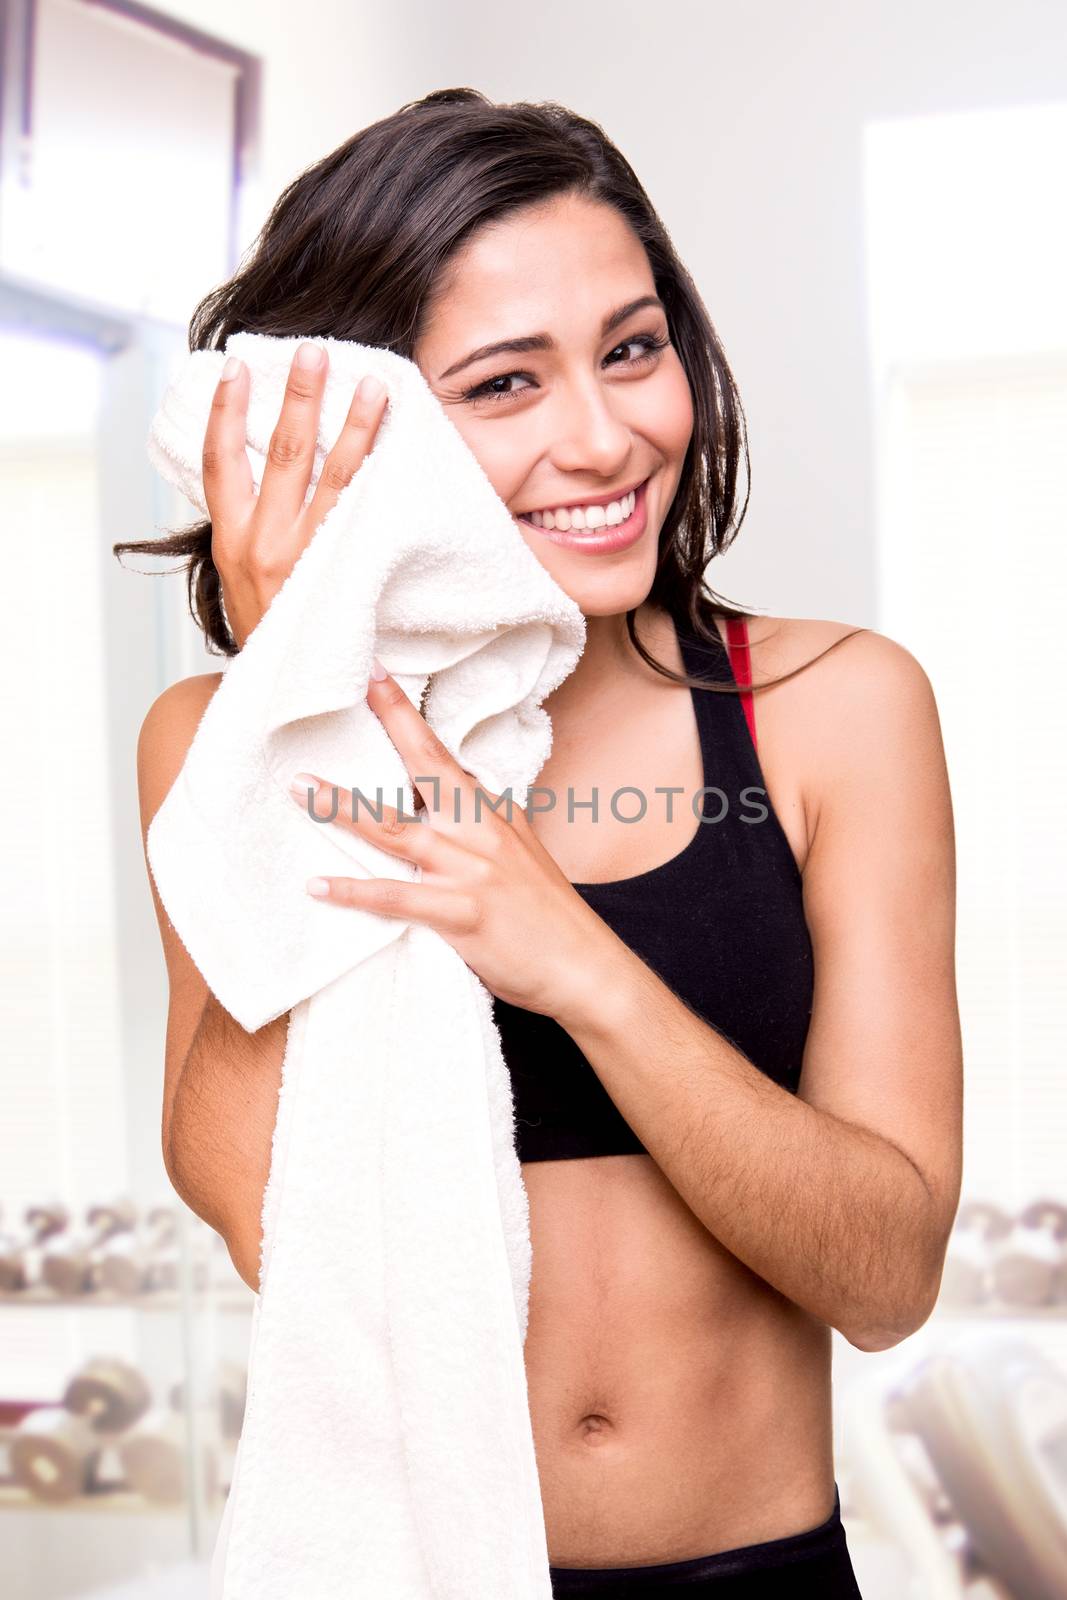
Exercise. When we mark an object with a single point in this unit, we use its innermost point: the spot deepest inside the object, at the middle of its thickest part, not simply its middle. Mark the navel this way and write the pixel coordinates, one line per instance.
(594, 1427)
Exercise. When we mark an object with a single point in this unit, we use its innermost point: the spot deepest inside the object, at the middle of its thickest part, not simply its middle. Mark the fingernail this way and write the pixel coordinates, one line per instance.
(318, 886)
(369, 388)
(231, 369)
(308, 355)
(377, 671)
(301, 782)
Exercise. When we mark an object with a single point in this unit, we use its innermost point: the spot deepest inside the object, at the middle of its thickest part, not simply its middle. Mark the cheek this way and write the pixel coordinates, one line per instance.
(672, 427)
(497, 450)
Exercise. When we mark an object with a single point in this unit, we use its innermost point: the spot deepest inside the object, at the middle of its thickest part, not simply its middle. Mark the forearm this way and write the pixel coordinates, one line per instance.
(832, 1215)
(222, 1122)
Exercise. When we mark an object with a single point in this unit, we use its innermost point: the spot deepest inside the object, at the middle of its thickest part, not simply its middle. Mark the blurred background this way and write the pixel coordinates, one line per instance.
(871, 199)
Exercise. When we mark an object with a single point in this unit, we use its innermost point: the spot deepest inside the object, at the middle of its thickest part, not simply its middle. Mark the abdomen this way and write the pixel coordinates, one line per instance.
(680, 1405)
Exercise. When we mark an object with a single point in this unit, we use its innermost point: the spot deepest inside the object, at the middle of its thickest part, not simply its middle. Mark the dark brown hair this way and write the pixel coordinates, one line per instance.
(355, 247)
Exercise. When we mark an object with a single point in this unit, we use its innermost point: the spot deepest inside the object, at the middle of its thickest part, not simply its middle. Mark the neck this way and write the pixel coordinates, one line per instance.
(609, 664)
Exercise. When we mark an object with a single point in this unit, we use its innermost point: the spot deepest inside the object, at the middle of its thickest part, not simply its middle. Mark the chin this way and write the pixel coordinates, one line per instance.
(604, 591)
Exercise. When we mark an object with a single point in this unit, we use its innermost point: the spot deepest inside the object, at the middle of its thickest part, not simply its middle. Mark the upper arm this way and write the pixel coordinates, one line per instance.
(165, 737)
(884, 1047)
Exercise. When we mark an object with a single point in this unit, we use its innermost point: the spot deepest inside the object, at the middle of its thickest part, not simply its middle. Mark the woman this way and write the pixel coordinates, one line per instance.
(735, 1048)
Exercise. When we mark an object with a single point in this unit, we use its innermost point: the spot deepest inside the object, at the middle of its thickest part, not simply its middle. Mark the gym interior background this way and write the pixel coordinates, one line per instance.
(867, 198)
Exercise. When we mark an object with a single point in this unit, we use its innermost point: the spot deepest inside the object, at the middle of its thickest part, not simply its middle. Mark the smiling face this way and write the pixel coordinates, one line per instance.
(582, 430)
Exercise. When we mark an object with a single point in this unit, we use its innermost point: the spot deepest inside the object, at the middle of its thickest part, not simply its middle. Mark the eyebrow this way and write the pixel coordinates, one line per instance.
(544, 341)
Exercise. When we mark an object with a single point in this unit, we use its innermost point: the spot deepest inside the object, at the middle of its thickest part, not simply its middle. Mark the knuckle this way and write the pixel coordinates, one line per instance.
(265, 562)
(299, 388)
(268, 572)
(388, 893)
(360, 417)
(392, 694)
(485, 871)
(222, 560)
(222, 396)
(285, 448)
(490, 842)
(337, 475)
(469, 913)
(393, 825)
(430, 748)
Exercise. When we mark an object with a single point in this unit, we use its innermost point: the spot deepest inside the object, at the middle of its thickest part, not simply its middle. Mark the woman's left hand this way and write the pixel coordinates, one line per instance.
(488, 886)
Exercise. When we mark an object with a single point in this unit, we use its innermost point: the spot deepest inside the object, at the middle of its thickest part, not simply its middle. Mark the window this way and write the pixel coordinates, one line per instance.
(967, 258)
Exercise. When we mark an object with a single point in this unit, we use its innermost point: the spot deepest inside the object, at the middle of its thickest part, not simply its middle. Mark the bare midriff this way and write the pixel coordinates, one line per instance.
(680, 1405)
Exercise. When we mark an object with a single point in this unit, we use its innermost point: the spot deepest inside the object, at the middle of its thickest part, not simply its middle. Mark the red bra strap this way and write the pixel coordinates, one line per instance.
(737, 645)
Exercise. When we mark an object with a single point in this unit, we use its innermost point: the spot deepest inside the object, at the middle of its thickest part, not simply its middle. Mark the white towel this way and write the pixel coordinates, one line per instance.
(387, 1450)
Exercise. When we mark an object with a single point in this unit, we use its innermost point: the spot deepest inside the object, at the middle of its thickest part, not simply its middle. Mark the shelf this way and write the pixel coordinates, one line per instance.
(164, 1300)
(120, 1502)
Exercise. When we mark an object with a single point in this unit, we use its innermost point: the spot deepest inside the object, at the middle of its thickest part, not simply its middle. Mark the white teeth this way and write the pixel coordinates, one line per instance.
(565, 518)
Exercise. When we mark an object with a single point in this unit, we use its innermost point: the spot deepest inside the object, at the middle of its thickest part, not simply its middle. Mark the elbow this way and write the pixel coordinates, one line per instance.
(890, 1326)
(876, 1339)
(915, 1277)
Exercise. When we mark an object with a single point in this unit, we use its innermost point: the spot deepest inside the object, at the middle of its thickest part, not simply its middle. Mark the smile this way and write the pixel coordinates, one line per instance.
(606, 512)
(595, 527)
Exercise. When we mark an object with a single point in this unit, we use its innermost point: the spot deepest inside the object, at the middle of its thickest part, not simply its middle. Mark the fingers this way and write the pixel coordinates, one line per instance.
(256, 539)
(352, 447)
(228, 484)
(455, 800)
(291, 452)
(384, 825)
(438, 905)
(447, 910)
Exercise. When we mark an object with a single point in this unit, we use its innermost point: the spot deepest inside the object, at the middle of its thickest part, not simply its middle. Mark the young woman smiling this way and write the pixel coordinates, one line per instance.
(735, 1048)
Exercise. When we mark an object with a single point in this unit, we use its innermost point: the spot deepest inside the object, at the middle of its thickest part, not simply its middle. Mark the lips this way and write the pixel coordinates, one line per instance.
(599, 541)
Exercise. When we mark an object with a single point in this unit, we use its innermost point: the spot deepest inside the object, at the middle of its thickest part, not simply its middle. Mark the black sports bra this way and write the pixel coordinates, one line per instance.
(721, 923)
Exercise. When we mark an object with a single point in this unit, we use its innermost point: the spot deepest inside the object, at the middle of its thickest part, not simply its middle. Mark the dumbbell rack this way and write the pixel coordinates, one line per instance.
(875, 1462)
(194, 1308)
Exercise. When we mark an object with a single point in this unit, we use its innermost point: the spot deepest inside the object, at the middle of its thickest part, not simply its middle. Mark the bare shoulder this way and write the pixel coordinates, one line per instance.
(851, 701)
(166, 734)
(844, 658)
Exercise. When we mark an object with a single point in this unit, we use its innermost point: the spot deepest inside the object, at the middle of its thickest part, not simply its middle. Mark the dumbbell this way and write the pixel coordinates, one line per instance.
(1028, 1263)
(227, 1395)
(109, 1394)
(165, 1265)
(131, 1262)
(53, 1454)
(153, 1454)
(70, 1265)
(21, 1255)
(978, 1229)
(164, 1268)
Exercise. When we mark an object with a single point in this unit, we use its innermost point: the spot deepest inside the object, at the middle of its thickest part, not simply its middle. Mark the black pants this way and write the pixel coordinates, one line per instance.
(814, 1565)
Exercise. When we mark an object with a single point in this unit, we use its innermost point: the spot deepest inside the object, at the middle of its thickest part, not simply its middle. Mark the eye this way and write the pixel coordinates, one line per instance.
(486, 390)
(649, 344)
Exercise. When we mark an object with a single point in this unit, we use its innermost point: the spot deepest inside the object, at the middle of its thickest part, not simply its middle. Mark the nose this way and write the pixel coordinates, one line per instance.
(588, 435)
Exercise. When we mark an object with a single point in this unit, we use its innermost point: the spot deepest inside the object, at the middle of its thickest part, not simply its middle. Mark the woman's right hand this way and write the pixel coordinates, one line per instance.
(257, 538)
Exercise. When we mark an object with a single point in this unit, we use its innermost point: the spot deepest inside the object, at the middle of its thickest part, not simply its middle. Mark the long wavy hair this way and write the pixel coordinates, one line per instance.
(355, 247)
